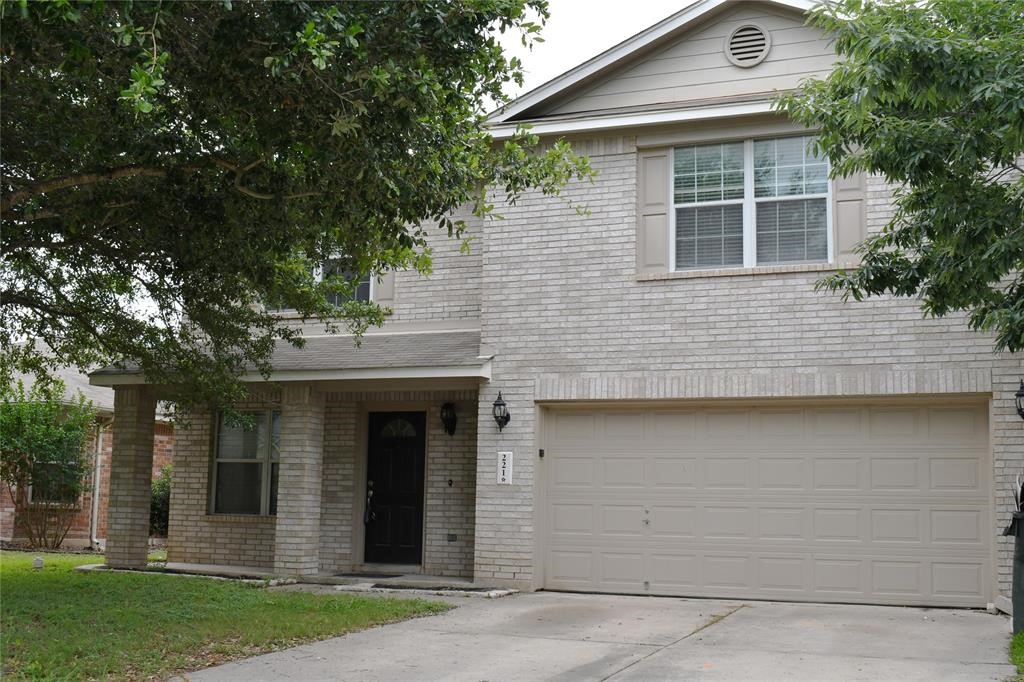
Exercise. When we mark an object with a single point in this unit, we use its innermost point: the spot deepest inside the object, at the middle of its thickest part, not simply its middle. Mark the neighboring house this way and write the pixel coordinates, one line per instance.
(688, 416)
(89, 527)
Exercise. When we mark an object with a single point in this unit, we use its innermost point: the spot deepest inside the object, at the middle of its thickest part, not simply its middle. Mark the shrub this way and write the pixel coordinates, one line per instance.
(160, 503)
(43, 460)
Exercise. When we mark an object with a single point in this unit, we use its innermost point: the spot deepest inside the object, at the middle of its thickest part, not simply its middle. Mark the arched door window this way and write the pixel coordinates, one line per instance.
(398, 428)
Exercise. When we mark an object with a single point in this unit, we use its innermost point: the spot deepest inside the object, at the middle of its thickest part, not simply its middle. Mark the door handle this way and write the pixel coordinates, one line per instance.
(369, 515)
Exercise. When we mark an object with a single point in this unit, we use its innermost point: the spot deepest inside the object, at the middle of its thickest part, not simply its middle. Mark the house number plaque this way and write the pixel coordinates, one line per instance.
(505, 468)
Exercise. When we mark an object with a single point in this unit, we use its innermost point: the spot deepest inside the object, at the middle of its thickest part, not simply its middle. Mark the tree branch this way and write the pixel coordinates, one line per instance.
(21, 196)
(57, 314)
(240, 171)
(15, 198)
(241, 189)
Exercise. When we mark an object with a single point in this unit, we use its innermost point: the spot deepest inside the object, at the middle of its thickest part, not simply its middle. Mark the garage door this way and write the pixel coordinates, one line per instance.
(874, 503)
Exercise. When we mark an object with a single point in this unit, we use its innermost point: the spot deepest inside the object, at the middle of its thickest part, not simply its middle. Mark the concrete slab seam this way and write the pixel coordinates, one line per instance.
(713, 620)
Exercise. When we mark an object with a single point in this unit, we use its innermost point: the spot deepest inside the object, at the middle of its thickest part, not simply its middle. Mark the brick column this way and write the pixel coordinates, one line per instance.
(297, 540)
(504, 546)
(131, 470)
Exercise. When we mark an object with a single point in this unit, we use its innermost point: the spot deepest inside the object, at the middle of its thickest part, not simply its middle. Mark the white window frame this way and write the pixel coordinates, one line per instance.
(318, 273)
(266, 460)
(749, 202)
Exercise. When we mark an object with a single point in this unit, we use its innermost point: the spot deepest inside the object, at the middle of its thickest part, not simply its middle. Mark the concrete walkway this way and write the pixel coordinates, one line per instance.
(549, 636)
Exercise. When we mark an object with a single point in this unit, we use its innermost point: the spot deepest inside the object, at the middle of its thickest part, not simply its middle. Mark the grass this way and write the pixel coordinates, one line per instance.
(1017, 653)
(60, 624)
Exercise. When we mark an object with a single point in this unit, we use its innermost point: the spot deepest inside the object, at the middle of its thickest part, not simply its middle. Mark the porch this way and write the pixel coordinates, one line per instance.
(346, 471)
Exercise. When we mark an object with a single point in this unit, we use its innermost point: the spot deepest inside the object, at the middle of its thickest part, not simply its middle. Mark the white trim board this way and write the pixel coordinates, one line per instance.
(677, 22)
(481, 371)
(555, 127)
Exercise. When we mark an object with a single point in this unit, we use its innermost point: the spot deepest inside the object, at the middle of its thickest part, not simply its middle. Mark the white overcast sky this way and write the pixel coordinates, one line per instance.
(581, 29)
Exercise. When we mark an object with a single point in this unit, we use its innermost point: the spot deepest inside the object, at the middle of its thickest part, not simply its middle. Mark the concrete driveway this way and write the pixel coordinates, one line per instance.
(550, 636)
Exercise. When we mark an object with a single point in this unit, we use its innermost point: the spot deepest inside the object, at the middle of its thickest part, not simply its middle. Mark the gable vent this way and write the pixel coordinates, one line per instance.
(748, 45)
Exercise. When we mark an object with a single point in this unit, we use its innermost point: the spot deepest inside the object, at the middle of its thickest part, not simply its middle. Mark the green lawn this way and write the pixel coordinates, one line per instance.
(59, 624)
(1017, 653)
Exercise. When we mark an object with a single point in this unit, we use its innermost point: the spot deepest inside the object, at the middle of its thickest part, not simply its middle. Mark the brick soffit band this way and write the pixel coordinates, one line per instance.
(788, 383)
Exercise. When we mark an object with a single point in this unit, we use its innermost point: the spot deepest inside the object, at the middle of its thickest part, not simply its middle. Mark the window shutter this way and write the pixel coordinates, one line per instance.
(384, 290)
(652, 211)
(848, 213)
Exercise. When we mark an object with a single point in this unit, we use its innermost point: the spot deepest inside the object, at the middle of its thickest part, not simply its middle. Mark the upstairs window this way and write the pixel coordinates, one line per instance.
(749, 203)
(336, 266)
(363, 288)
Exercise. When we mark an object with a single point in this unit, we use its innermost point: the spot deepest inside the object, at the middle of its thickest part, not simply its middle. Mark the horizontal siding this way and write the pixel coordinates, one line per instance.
(694, 67)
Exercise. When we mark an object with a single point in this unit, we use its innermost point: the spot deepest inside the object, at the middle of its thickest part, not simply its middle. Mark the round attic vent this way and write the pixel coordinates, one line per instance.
(748, 45)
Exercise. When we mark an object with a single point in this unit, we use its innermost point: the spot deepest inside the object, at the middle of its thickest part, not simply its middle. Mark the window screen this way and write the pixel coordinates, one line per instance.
(770, 195)
(709, 236)
(246, 464)
(708, 193)
(238, 487)
(790, 230)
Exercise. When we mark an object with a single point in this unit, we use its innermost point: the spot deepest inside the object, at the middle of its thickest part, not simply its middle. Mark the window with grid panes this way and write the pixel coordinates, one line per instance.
(750, 202)
(336, 267)
(246, 464)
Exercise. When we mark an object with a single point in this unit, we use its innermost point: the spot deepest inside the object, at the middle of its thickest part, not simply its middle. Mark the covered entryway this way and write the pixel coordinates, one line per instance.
(873, 502)
(394, 488)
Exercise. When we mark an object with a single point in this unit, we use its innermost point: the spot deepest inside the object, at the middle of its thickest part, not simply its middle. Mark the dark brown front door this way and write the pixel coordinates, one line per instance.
(394, 488)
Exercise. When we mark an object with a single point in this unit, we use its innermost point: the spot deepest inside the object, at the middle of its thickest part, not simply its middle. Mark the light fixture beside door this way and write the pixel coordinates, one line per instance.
(500, 412)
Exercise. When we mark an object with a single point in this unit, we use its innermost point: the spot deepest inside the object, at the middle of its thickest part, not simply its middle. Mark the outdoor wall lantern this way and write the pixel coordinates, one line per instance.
(448, 418)
(500, 412)
(1019, 395)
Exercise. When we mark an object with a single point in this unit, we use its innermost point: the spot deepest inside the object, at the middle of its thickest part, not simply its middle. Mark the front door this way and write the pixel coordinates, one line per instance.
(394, 488)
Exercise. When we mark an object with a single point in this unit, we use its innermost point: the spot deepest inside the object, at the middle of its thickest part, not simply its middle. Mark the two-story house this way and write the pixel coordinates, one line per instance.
(686, 414)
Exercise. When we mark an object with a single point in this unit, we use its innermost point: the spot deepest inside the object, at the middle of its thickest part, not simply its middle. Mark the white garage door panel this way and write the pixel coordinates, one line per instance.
(877, 503)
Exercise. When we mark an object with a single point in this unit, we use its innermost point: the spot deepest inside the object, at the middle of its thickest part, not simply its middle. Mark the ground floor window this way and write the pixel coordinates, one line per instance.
(54, 483)
(246, 463)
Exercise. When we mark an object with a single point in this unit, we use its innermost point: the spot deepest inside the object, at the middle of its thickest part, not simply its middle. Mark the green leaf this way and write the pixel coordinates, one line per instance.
(928, 95)
(261, 139)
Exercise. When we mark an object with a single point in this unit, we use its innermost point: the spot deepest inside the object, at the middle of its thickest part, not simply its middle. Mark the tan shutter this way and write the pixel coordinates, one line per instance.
(848, 215)
(652, 211)
(384, 290)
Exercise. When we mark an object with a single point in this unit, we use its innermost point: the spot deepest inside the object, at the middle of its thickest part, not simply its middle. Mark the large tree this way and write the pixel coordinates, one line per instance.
(168, 166)
(930, 95)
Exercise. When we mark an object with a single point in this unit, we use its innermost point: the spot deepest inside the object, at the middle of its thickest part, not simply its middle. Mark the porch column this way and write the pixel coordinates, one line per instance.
(297, 539)
(131, 469)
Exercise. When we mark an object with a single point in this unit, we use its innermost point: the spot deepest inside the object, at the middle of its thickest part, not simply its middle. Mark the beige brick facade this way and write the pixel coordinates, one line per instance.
(297, 536)
(131, 471)
(576, 322)
(196, 536)
(571, 320)
(324, 439)
(562, 309)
